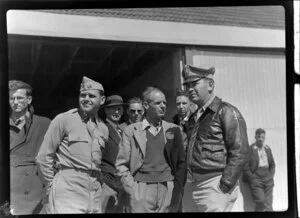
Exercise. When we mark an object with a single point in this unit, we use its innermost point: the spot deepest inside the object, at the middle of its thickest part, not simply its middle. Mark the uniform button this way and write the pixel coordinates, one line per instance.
(27, 173)
(28, 154)
(26, 193)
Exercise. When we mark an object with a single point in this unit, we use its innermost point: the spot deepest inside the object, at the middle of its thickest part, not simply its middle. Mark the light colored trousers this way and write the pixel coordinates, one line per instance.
(74, 192)
(151, 197)
(207, 196)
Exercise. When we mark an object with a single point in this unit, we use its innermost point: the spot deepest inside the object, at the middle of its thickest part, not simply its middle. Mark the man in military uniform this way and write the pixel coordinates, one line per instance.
(259, 172)
(73, 144)
(218, 144)
(26, 134)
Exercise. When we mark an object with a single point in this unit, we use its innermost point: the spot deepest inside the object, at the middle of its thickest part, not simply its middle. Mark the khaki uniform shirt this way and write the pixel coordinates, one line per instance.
(68, 143)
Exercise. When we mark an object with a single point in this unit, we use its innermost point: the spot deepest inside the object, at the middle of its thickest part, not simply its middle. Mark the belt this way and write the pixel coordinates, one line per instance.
(91, 173)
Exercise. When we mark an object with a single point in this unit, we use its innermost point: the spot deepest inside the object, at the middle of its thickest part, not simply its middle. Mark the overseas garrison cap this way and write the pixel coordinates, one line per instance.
(192, 73)
(88, 84)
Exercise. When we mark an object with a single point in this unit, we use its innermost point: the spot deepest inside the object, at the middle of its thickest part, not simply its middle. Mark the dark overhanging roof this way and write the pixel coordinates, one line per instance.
(270, 17)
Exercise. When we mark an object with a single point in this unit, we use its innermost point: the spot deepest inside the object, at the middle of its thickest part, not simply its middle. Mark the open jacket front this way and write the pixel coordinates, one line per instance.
(132, 150)
(221, 143)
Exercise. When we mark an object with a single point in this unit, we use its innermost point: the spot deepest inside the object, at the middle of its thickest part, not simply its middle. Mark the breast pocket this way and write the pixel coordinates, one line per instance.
(78, 144)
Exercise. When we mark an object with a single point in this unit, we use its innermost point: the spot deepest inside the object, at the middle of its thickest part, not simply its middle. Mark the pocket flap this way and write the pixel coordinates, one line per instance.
(78, 137)
(213, 148)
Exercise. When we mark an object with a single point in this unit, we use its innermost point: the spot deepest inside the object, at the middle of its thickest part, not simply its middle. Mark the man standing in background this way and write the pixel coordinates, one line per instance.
(26, 131)
(135, 110)
(259, 172)
(183, 113)
(112, 188)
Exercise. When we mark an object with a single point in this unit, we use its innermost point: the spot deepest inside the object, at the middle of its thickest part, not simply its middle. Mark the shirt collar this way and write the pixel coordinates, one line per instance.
(208, 103)
(112, 123)
(262, 147)
(85, 118)
(21, 121)
(186, 118)
(146, 124)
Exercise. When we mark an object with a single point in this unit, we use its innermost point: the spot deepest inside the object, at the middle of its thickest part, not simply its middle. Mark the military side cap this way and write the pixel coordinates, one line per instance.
(88, 84)
(192, 73)
(14, 85)
(113, 100)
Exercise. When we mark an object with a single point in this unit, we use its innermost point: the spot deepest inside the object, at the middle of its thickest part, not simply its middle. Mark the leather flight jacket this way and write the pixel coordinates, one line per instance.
(221, 143)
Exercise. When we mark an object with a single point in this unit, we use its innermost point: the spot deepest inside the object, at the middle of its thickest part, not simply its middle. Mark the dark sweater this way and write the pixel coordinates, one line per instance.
(155, 167)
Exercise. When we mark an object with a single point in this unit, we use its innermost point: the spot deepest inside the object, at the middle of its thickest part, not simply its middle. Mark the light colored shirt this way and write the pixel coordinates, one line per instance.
(203, 108)
(68, 142)
(185, 119)
(263, 158)
(20, 122)
(153, 129)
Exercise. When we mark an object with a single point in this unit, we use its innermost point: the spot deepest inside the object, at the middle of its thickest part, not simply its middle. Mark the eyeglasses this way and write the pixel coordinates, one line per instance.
(134, 111)
(17, 98)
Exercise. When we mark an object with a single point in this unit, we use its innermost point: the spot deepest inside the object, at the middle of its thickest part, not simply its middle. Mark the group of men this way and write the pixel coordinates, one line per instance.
(81, 163)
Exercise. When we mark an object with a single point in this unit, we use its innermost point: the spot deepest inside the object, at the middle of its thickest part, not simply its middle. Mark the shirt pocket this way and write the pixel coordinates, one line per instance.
(78, 144)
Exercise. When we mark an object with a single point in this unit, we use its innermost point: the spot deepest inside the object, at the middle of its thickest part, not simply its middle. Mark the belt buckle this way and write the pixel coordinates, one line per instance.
(94, 173)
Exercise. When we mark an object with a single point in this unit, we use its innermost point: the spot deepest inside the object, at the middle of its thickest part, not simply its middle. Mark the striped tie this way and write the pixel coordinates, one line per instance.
(119, 131)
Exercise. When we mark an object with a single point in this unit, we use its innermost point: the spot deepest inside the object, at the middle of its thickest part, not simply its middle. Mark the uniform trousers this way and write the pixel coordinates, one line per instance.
(151, 197)
(261, 187)
(207, 196)
(74, 192)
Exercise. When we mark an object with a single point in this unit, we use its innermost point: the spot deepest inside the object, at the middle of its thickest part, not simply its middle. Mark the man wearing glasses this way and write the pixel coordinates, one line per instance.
(218, 144)
(26, 135)
(135, 110)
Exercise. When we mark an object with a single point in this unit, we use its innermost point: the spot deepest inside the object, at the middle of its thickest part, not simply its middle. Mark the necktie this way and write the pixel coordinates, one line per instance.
(18, 122)
(95, 145)
(119, 131)
(199, 113)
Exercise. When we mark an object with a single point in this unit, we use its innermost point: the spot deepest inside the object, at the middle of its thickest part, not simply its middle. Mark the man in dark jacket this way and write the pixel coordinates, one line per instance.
(26, 135)
(112, 189)
(183, 113)
(135, 110)
(151, 160)
(218, 144)
(259, 172)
